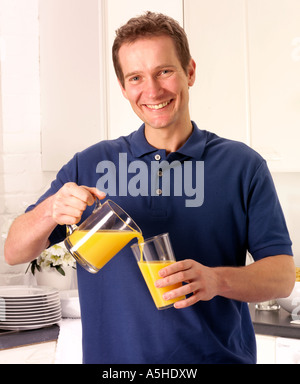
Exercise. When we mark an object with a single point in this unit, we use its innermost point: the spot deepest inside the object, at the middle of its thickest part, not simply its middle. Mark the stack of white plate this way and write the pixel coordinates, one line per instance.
(25, 307)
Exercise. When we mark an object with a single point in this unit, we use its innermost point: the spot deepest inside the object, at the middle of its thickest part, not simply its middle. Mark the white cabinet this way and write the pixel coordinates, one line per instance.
(71, 107)
(287, 351)
(248, 76)
(219, 97)
(274, 63)
(277, 350)
(266, 349)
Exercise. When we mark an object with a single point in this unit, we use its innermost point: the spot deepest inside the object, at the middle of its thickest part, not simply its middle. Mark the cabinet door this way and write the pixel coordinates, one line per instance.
(121, 119)
(218, 100)
(274, 62)
(287, 351)
(71, 107)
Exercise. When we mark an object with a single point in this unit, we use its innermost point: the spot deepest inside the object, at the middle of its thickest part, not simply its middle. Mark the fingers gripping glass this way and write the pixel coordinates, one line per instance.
(153, 255)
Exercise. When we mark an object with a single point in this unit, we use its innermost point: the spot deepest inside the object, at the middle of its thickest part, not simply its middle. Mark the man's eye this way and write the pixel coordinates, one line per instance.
(165, 72)
(135, 78)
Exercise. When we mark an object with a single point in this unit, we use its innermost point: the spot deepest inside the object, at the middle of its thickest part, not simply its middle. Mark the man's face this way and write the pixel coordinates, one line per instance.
(155, 83)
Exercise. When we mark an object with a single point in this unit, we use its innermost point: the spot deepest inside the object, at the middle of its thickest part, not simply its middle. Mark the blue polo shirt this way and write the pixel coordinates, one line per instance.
(216, 199)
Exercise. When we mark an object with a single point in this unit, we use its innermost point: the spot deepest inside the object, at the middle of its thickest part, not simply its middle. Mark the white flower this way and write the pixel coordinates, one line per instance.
(55, 256)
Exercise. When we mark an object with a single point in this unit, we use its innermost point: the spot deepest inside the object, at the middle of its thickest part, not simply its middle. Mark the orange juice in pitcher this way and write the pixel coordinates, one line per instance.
(101, 236)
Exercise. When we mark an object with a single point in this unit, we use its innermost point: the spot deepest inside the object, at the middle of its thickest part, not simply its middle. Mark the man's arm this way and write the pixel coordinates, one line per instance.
(29, 233)
(266, 279)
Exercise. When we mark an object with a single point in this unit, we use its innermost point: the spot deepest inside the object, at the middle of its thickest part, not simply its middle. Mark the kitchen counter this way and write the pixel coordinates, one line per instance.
(274, 323)
(59, 344)
(269, 323)
(12, 339)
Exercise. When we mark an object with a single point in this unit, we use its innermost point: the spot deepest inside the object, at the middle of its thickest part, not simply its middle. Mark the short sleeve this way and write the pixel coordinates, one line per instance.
(267, 230)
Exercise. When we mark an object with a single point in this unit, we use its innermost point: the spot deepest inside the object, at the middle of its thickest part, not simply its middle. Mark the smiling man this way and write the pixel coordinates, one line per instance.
(156, 86)
(238, 212)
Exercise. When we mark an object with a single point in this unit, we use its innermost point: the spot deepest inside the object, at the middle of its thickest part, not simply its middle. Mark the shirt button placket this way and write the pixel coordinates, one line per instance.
(158, 190)
(158, 203)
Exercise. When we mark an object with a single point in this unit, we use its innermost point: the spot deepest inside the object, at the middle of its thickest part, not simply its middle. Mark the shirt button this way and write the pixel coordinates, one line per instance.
(158, 192)
(157, 157)
(159, 173)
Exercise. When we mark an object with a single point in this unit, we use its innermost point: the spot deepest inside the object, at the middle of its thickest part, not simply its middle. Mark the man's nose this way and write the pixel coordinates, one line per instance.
(153, 88)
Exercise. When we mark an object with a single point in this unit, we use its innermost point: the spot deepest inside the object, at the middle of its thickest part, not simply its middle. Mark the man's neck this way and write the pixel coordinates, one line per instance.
(168, 138)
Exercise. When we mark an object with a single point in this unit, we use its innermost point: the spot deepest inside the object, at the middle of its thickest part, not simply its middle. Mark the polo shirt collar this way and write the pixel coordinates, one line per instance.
(193, 147)
(139, 144)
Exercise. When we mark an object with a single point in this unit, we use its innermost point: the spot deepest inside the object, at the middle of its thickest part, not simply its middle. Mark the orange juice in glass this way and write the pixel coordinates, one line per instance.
(152, 255)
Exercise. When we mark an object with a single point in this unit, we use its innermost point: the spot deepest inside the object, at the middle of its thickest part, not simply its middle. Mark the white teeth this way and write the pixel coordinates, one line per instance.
(158, 106)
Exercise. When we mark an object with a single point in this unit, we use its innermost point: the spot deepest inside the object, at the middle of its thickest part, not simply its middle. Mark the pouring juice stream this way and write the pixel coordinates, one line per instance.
(104, 244)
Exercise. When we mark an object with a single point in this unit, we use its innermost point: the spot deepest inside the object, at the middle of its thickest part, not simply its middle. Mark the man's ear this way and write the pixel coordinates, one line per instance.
(191, 73)
(123, 89)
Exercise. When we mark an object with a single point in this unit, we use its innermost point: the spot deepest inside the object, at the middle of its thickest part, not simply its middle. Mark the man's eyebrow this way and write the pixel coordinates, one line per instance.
(131, 74)
(160, 67)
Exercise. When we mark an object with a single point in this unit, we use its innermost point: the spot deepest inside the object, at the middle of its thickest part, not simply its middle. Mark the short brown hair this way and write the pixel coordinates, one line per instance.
(148, 25)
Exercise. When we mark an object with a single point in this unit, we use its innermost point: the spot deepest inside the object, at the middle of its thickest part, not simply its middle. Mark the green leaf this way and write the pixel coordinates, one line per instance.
(33, 266)
(28, 267)
(60, 270)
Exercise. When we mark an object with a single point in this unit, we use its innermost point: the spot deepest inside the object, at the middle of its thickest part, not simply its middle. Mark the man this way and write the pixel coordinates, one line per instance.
(210, 234)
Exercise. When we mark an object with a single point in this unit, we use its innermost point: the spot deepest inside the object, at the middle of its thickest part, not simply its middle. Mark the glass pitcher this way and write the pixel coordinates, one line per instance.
(101, 236)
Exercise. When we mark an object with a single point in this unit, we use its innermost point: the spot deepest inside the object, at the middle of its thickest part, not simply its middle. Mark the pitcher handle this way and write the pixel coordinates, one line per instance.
(71, 228)
(97, 203)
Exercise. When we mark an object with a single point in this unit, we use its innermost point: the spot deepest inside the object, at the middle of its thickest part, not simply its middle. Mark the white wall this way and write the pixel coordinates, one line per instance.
(21, 177)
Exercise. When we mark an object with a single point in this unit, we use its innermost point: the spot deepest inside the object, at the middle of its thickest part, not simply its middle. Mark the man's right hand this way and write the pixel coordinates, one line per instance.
(29, 234)
(69, 203)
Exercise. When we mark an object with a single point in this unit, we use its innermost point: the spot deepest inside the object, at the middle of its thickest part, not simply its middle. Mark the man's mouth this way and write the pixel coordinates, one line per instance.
(158, 106)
